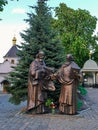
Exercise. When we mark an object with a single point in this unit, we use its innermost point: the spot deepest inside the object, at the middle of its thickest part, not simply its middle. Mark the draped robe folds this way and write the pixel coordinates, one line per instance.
(37, 88)
(68, 76)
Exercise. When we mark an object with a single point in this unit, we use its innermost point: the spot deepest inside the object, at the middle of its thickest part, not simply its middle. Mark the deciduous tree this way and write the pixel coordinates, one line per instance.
(76, 28)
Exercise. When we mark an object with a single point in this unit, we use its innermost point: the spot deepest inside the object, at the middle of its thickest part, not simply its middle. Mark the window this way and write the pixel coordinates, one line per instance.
(12, 61)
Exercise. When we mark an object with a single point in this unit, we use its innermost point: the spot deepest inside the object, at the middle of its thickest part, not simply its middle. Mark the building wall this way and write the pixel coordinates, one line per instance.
(2, 77)
(11, 59)
(5, 69)
(96, 78)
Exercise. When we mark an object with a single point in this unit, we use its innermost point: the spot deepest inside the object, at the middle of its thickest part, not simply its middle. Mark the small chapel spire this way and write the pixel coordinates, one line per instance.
(90, 54)
(14, 40)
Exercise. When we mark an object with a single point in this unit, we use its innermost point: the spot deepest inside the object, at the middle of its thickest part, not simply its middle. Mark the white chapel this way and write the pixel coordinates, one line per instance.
(10, 60)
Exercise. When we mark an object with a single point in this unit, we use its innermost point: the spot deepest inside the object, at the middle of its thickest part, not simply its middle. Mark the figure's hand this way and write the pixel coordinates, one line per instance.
(33, 73)
(80, 78)
(52, 89)
(53, 76)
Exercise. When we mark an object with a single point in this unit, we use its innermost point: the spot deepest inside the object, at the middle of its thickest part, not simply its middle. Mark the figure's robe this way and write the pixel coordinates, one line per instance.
(38, 86)
(68, 76)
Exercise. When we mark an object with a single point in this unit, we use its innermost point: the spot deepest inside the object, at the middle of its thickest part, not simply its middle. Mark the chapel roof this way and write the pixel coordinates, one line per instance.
(13, 50)
(90, 65)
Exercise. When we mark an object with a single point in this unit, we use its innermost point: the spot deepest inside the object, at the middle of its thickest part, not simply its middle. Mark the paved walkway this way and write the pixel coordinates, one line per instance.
(11, 119)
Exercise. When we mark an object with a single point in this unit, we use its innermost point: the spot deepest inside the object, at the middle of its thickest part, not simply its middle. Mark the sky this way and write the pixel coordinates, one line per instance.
(14, 13)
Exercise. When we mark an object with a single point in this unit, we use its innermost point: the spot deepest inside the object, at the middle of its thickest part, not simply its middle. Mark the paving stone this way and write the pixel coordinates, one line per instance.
(11, 119)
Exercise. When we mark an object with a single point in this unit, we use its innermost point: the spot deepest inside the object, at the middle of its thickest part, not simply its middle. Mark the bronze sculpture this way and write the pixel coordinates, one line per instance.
(69, 76)
(39, 81)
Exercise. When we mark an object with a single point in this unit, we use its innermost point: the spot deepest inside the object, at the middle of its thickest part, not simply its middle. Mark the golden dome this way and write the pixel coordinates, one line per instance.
(14, 40)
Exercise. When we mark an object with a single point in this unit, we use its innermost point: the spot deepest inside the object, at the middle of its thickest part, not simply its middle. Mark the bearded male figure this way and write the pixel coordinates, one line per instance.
(39, 82)
(69, 76)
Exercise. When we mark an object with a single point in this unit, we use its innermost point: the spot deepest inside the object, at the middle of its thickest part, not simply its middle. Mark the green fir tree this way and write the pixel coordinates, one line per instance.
(39, 36)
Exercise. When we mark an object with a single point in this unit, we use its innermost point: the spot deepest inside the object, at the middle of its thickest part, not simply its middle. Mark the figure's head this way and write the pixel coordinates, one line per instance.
(40, 55)
(69, 57)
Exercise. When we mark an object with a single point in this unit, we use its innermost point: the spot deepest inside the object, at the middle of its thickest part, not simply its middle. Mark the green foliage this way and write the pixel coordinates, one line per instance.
(76, 28)
(82, 90)
(39, 36)
(95, 54)
(48, 102)
(79, 104)
(2, 4)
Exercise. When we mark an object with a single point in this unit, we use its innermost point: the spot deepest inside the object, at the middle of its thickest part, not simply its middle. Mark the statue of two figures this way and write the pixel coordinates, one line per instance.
(40, 80)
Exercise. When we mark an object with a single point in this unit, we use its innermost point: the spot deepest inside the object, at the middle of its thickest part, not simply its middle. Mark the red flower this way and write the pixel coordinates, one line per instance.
(52, 105)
